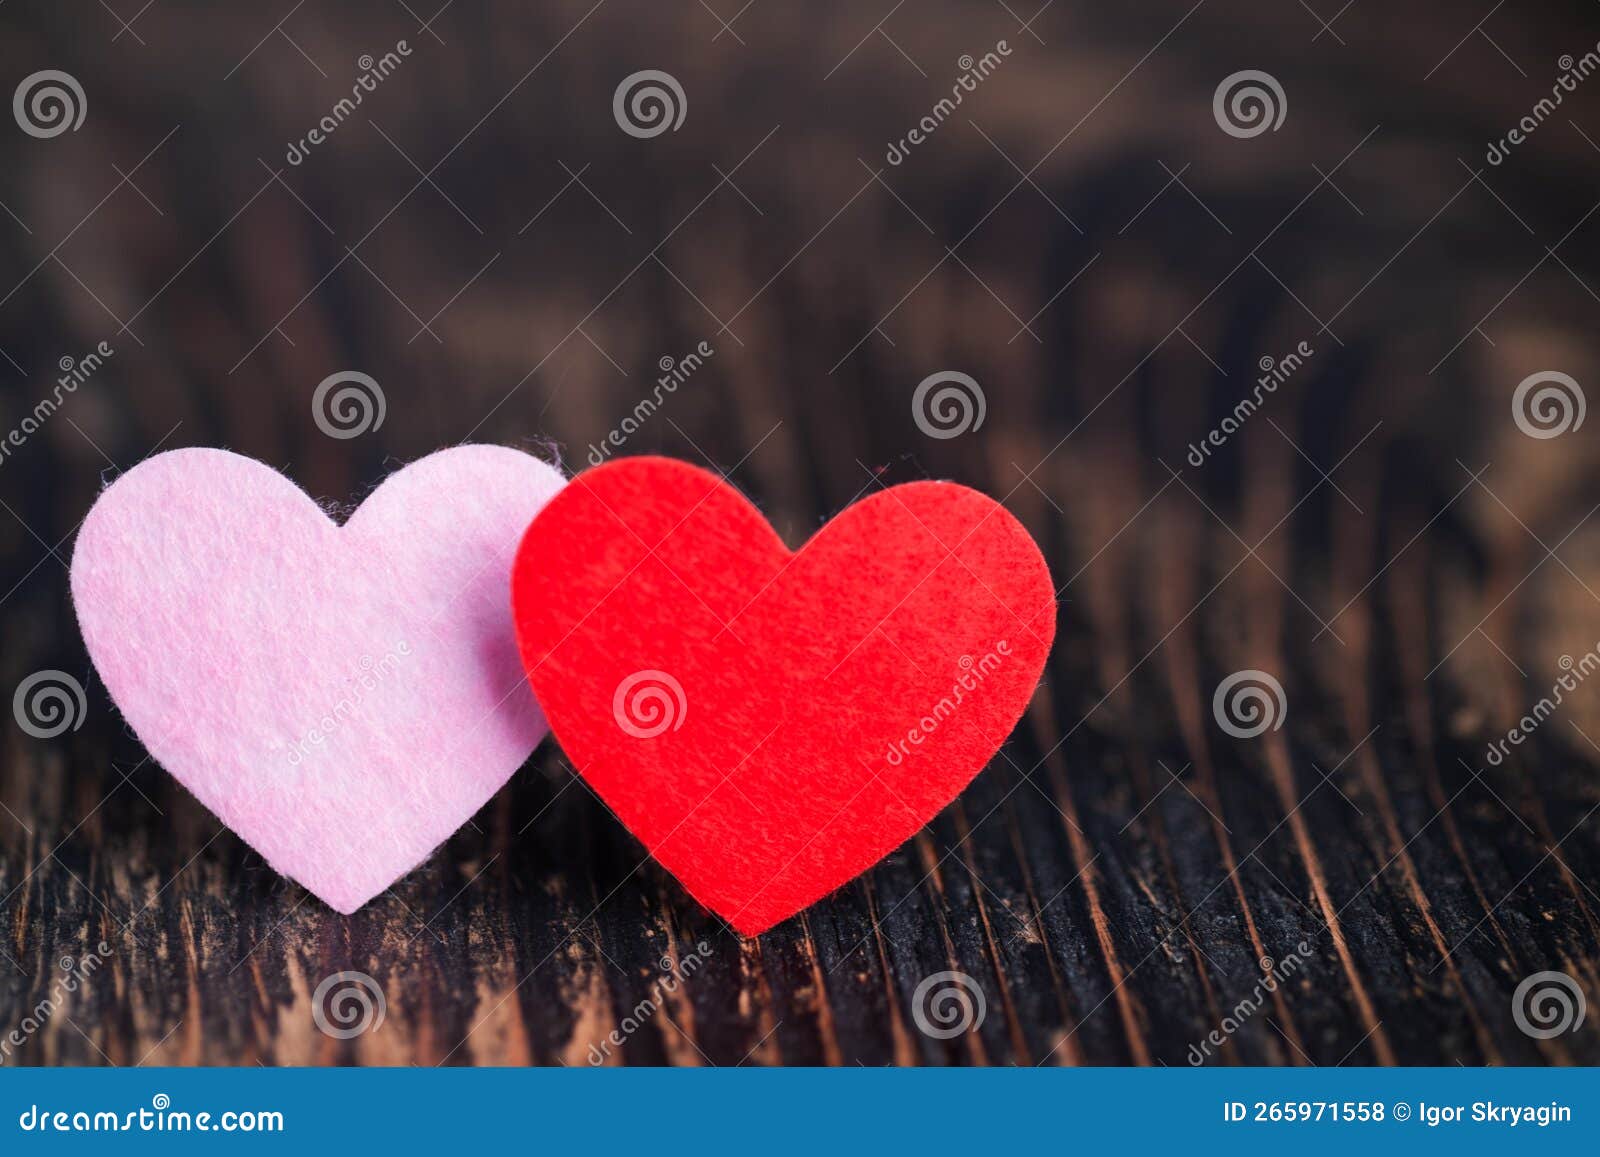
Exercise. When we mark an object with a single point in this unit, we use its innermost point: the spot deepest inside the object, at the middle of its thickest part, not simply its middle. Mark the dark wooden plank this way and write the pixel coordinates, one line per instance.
(1125, 877)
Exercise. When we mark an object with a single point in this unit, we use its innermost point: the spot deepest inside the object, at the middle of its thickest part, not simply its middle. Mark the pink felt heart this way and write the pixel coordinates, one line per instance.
(344, 698)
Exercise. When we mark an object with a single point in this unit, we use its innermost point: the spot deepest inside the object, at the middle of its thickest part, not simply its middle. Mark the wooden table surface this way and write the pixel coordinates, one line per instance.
(1109, 265)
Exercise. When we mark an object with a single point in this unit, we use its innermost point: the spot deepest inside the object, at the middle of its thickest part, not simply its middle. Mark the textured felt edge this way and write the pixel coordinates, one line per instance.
(1035, 561)
(351, 509)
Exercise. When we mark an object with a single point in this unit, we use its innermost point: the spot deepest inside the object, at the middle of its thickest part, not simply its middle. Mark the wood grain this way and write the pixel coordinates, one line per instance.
(1379, 536)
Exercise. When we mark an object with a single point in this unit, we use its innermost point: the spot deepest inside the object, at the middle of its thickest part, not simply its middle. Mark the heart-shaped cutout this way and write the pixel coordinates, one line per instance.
(342, 697)
(771, 723)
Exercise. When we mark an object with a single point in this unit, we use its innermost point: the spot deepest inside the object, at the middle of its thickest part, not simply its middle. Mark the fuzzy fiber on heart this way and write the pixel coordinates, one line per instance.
(772, 723)
(342, 697)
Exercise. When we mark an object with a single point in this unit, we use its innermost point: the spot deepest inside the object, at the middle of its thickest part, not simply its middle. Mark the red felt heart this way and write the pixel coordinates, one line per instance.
(771, 723)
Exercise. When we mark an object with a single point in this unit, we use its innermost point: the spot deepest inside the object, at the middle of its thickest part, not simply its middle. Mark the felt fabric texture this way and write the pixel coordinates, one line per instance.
(771, 723)
(342, 697)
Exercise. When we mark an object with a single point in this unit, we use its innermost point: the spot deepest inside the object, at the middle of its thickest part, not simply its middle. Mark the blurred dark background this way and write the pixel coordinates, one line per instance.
(1085, 239)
